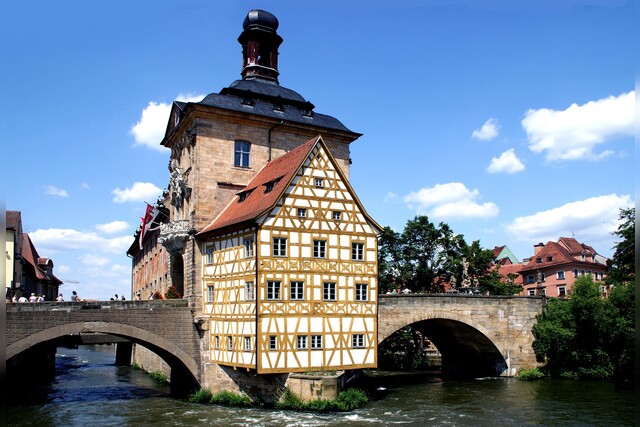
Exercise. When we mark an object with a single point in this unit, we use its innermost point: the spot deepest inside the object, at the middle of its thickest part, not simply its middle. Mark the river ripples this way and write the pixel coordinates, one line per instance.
(89, 390)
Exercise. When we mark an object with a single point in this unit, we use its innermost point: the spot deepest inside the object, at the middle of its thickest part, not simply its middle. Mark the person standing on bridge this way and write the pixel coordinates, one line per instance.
(60, 298)
(74, 296)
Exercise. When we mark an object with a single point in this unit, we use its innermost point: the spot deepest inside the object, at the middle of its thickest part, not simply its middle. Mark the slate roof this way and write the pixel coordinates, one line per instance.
(268, 99)
(257, 200)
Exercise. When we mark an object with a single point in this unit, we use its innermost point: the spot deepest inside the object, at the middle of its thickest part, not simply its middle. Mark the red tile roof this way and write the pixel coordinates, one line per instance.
(505, 270)
(562, 252)
(257, 200)
(30, 255)
(496, 251)
(13, 220)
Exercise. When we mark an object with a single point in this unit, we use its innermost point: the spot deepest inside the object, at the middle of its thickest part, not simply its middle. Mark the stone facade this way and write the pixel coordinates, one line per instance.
(468, 328)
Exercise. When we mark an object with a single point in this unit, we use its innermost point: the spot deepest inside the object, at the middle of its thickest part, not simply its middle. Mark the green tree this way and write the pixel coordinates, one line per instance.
(390, 265)
(587, 336)
(623, 260)
(429, 254)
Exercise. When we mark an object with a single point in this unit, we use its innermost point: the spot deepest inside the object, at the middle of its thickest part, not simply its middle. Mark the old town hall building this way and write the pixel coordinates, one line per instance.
(264, 235)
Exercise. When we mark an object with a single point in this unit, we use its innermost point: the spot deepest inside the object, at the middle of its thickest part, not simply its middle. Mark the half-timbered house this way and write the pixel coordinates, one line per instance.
(290, 270)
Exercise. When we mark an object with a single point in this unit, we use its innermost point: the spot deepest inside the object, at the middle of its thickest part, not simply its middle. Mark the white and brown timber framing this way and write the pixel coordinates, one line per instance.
(261, 331)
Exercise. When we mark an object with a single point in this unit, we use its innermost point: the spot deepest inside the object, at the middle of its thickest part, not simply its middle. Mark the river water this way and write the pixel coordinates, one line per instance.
(89, 390)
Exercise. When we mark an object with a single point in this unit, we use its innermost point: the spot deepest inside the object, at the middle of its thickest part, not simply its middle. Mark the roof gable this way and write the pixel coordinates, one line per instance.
(270, 184)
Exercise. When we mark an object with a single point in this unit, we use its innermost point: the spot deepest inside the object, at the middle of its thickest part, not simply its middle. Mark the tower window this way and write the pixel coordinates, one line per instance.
(241, 157)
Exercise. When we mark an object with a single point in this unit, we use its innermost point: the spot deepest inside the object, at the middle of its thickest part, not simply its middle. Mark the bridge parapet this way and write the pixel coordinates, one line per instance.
(92, 305)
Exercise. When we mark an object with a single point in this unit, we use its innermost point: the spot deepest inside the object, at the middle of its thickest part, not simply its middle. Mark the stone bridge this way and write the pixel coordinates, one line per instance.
(165, 327)
(477, 336)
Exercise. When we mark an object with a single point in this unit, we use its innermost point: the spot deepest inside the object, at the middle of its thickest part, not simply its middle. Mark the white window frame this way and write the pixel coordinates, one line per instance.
(357, 340)
(247, 343)
(562, 291)
(279, 246)
(316, 342)
(274, 290)
(318, 182)
(357, 251)
(249, 291)
(319, 248)
(296, 290)
(362, 292)
(229, 343)
(273, 342)
(560, 275)
(248, 248)
(329, 291)
(336, 215)
(241, 153)
(301, 342)
(211, 293)
(209, 255)
(302, 212)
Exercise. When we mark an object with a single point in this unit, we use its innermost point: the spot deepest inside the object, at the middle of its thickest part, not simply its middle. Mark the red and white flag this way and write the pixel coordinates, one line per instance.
(149, 216)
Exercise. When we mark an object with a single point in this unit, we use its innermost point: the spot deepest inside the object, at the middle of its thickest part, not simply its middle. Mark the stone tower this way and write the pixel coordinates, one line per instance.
(220, 143)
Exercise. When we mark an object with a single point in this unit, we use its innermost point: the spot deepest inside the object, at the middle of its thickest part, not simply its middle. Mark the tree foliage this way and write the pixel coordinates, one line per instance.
(588, 336)
(623, 260)
(425, 257)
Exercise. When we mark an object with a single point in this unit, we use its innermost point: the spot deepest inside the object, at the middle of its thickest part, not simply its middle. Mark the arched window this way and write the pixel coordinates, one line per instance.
(241, 154)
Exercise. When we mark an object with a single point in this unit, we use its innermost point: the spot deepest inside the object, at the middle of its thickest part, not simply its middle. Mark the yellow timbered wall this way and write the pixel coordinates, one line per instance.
(227, 270)
(330, 215)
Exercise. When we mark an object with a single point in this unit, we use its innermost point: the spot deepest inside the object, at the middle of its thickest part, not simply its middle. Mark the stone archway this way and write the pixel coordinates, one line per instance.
(184, 368)
(466, 351)
(177, 272)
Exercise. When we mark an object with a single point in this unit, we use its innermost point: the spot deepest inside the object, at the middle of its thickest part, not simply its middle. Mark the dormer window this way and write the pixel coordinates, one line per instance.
(549, 258)
(268, 187)
(243, 196)
(538, 260)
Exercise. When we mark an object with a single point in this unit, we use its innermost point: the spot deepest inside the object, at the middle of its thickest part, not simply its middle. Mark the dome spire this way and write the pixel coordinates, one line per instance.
(260, 44)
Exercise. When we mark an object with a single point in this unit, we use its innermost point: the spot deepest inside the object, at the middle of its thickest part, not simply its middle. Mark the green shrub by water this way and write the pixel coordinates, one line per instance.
(229, 398)
(530, 374)
(203, 395)
(159, 377)
(347, 401)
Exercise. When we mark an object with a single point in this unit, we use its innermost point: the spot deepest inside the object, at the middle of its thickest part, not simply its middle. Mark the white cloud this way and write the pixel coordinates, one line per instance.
(488, 131)
(591, 221)
(85, 186)
(508, 162)
(62, 269)
(94, 260)
(450, 201)
(54, 240)
(574, 133)
(149, 130)
(52, 190)
(113, 227)
(139, 192)
(390, 197)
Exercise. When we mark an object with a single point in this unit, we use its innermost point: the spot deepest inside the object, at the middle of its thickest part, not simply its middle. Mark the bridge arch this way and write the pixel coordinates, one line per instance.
(478, 336)
(184, 368)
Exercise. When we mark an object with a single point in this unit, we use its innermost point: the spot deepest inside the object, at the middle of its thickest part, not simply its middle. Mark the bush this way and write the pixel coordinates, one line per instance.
(530, 374)
(203, 395)
(347, 401)
(172, 293)
(229, 398)
(159, 377)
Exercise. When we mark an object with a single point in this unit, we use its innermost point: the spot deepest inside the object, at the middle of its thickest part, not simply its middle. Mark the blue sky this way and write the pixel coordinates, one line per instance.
(510, 121)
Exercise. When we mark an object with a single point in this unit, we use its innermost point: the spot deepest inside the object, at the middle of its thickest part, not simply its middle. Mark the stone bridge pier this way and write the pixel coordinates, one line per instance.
(477, 336)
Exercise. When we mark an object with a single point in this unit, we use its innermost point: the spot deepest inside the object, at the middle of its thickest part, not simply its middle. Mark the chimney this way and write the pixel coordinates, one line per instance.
(537, 248)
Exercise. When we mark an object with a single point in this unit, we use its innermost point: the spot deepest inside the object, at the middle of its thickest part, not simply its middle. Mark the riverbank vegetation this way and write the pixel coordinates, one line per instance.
(347, 400)
(587, 335)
